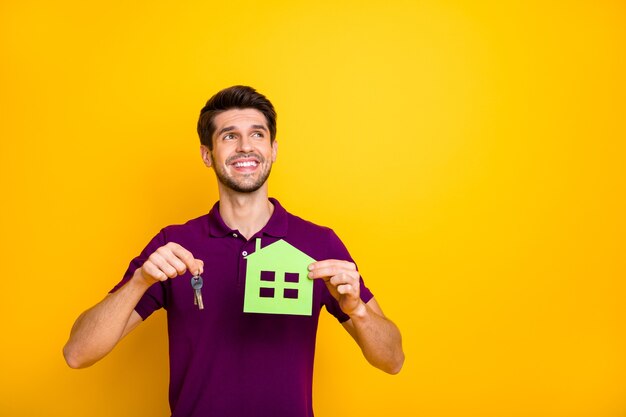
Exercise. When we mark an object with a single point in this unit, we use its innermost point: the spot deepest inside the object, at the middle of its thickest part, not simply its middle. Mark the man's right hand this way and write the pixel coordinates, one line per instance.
(100, 328)
(168, 261)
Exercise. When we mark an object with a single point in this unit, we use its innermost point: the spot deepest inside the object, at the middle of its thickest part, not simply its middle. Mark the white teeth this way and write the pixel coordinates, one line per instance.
(245, 164)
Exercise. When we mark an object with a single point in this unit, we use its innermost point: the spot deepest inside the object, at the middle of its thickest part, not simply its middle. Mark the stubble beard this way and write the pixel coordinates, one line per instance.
(247, 185)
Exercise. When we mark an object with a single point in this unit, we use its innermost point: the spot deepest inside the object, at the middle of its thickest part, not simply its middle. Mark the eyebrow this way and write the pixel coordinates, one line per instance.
(231, 128)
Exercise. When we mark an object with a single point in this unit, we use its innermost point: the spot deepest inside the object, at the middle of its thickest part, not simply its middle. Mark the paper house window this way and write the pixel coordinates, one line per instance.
(292, 277)
(276, 280)
(268, 276)
(290, 293)
(266, 292)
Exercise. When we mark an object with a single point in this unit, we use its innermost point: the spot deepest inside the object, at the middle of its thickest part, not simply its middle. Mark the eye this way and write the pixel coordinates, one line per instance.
(228, 136)
(258, 135)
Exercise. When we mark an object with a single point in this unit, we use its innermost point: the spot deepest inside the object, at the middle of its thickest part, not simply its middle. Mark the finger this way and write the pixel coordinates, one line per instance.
(199, 267)
(163, 264)
(329, 263)
(331, 272)
(169, 257)
(323, 273)
(183, 255)
(344, 278)
(345, 289)
(152, 271)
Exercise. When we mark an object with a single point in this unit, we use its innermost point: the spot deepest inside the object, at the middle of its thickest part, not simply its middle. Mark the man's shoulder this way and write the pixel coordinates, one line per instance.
(301, 225)
(198, 225)
(319, 242)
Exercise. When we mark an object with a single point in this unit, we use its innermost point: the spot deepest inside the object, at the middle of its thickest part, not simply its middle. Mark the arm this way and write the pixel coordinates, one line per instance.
(96, 332)
(379, 339)
(377, 336)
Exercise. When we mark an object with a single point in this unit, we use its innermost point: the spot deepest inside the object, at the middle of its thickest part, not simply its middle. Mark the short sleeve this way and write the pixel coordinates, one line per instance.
(154, 298)
(337, 250)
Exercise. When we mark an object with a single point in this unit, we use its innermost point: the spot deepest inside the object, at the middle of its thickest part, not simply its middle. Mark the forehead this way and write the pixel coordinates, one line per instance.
(239, 118)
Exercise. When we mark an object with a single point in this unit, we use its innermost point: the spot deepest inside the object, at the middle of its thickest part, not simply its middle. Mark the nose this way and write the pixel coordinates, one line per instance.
(244, 144)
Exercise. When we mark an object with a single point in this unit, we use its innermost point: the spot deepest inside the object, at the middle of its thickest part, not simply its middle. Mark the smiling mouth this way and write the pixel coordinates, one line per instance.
(245, 164)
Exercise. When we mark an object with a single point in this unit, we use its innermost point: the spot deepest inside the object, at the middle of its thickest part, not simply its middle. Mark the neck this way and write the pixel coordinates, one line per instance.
(246, 212)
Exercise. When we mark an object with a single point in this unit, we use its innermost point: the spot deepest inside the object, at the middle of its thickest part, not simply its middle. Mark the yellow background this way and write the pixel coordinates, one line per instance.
(471, 155)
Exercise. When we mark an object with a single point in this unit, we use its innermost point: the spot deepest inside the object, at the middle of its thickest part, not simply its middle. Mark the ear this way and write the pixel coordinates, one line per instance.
(274, 150)
(205, 153)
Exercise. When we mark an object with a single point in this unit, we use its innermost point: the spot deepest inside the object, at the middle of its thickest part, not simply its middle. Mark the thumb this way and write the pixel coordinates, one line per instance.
(199, 266)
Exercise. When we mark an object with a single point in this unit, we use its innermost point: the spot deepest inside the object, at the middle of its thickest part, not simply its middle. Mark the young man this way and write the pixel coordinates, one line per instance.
(244, 353)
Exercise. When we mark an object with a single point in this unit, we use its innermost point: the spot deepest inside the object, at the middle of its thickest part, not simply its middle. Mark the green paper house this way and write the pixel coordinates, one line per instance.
(276, 280)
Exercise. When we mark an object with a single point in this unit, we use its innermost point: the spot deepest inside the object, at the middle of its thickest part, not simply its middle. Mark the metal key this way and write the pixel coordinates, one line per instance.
(196, 284)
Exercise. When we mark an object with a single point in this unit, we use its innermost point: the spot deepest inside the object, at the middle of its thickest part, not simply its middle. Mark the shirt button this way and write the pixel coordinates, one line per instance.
(234, 234)
(244, 253)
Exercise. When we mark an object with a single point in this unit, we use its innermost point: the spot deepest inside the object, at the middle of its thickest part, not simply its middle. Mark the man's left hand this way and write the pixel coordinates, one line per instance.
(342, 280)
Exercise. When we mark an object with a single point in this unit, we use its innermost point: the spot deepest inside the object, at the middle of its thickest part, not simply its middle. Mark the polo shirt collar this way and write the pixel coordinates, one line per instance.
(276, 226)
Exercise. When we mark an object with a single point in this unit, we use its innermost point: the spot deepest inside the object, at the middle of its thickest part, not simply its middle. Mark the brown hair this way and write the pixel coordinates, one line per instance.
(236, 97)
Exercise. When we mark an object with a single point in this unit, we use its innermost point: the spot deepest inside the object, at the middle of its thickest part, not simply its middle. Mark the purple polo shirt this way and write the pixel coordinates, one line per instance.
(224, 362)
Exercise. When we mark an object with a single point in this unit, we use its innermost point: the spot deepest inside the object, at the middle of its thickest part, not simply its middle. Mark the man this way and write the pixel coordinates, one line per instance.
(228, 359)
